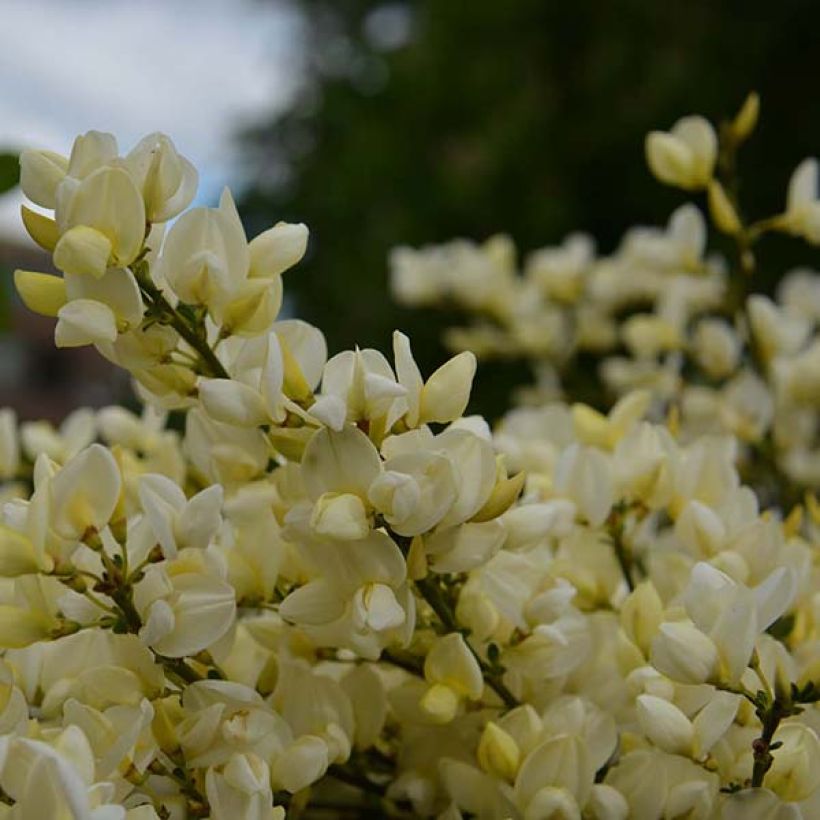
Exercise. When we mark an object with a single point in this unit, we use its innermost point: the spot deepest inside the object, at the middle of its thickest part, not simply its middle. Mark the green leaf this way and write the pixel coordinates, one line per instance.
(9, 172)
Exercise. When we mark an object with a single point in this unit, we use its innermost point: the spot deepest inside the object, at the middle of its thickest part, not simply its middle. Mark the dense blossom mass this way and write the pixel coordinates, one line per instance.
(325, 591)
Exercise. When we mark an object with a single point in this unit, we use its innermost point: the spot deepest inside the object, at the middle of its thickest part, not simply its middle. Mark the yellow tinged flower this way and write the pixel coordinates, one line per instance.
(108, 201)
(83, 251)
(685, 156)
(277, 249)
(18, 555)
(440, 703)
(254, 308)
(40, 174)
(42, 229)
(85, 492)
(21, 626)
(504, 494)
(498, 753)
(41, 292)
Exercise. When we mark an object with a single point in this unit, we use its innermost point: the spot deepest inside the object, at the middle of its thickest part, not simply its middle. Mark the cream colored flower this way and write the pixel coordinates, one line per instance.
(686, 155)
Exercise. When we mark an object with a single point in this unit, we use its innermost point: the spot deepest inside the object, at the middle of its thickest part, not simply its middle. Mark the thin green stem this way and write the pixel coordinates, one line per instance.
(615, 528)
(193, 335)
(741, 690)
(431, 592)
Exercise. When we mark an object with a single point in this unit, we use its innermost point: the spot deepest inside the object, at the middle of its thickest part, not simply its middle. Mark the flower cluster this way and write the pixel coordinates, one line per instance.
(331, 591)
(661, 312)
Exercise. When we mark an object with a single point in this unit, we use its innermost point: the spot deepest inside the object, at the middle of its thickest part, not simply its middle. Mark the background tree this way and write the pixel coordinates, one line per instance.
(418, 122)
(9, 177)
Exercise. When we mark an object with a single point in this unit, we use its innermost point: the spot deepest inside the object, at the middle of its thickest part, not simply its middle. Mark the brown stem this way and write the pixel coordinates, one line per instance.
(762, 747)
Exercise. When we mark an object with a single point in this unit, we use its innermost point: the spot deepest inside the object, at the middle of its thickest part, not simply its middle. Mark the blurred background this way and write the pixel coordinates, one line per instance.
(387, 123)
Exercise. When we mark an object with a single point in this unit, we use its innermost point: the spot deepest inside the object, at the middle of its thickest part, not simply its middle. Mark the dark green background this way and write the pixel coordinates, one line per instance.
(526, 117)
(9, 177)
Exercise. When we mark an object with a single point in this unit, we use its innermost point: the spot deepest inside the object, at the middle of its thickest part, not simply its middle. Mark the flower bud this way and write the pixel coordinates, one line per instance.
(682, 652)
(700, 529)
(641, 616)
(445, 395)
(504, 494)
(166, 180)
(498, 753)
(168, 715)
(746, 119)
(665, 725)
(277, 249)
(90, 152)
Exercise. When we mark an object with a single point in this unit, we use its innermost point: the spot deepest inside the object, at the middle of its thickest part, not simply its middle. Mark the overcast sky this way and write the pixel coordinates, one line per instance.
(194, 69)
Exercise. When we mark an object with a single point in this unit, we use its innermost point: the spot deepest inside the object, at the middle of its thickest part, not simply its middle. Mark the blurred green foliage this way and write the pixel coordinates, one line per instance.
(418, 122)
(9, 178)
(9, 171)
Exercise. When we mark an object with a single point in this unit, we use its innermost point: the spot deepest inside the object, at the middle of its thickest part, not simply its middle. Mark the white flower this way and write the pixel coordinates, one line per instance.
(686, 155)
(178, 522)
(166, 180)
(85, 492)
(184, 609)
(453, 673)
(802, 216)
(205, 257)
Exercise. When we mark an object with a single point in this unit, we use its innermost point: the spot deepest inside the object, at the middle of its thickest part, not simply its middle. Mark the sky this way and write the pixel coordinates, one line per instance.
(198, 70)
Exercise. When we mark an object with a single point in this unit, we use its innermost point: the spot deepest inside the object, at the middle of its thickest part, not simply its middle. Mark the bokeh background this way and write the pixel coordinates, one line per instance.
(387, 123)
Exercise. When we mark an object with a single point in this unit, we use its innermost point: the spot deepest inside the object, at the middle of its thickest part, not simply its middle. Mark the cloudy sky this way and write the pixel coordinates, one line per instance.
(195, 69)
